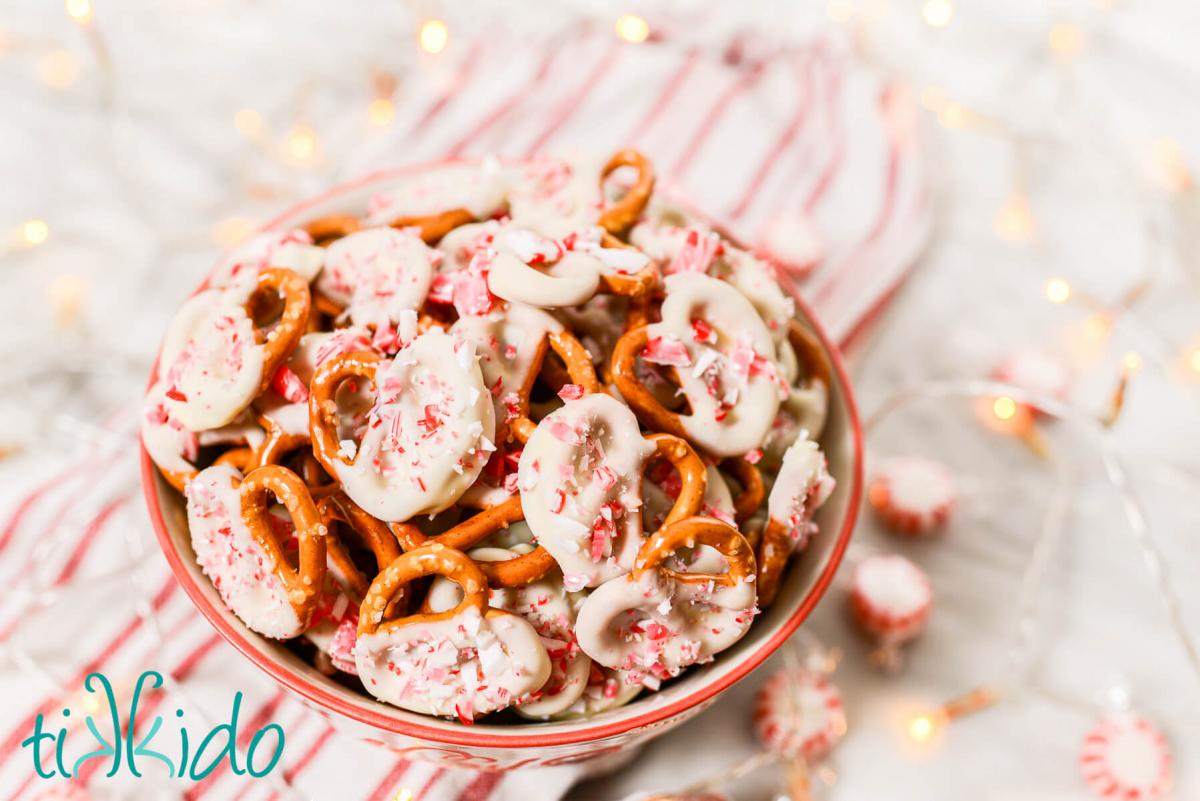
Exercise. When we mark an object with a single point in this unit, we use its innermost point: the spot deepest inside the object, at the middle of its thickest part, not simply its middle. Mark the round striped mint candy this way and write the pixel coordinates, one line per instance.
(800, 715)
(1126, 758)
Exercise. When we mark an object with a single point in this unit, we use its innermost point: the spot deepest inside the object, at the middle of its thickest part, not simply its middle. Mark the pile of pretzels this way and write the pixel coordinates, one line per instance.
(520, 437)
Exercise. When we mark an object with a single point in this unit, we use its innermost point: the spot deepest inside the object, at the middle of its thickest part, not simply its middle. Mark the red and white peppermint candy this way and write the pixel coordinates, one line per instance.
(912, 494)
(1035, 371)
(891, 598)
(800, 715)
(1124, 757)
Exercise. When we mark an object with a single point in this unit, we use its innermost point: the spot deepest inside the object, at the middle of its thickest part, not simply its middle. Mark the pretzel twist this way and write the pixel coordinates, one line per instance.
(774, 551)
(652, 414)
(579, 369)
(374, 533)
(692, 475)
(303, 583)
(689, 533)
(322, 404)
(809, 353)
(323, 230)
(629, 285)
(524, 569)
(280, 341)
(277, 442)
(753, 491)
(620, 217)
(431, 559)
(241, 458)
(435, 226)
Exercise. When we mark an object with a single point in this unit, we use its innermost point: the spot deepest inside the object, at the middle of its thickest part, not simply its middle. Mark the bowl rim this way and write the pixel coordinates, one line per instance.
(465, 735)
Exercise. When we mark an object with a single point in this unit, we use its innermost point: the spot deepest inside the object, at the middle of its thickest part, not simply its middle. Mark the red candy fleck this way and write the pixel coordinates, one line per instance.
(671, 352)
(571, 392)
(289, 386)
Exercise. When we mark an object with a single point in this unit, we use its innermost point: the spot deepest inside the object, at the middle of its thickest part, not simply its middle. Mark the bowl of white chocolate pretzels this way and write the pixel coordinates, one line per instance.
(501, 463)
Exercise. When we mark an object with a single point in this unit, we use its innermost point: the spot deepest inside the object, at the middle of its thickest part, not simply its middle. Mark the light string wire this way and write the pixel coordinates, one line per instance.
(1015, 674)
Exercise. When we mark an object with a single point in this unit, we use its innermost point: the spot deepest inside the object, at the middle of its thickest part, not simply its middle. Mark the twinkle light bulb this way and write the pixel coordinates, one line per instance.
(632, 28)
(34, 232)
(921, 728)
(302, 144)
(433, 36)
(1014, 220)
(1004, 407)
(1058, 290)
(1193, 359)
(381, 111)
(80, 10)
(937, 13)
(249, 123)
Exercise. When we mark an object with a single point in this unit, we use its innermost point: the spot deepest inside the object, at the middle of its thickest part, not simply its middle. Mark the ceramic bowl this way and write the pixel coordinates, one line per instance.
(488, 746)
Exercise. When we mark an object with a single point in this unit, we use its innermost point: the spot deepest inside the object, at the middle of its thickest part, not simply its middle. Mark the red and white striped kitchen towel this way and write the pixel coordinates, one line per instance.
(754, 138)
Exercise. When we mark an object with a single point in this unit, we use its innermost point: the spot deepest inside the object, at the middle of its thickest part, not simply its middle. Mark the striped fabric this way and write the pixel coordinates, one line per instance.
(751, 138)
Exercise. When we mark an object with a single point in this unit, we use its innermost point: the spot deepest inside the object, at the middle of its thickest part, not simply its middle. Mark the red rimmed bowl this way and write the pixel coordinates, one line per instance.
(504, 747)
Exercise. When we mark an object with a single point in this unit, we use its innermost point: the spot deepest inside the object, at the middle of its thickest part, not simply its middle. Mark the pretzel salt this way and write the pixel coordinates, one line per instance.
(579, 478)
(465, 662)
(427, 438)
(722, 356)
(239, 550)
(215, 360)
(655, 621)
(802, 486)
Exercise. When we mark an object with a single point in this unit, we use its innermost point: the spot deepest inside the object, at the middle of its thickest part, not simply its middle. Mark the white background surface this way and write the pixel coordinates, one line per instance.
(132, 195)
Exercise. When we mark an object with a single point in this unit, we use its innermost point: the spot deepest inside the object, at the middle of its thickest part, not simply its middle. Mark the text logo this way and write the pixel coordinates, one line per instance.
(144, 742)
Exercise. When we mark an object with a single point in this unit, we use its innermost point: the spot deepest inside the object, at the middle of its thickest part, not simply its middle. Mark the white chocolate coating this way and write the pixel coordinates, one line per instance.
(801, 487)
(551, 610)
(171, 445)
(698, 249)
(427, 437)
(292, 249)
(377, 274)
(726, 369)
(210, 364)
(465, 666)
(655, 627)
(568, 270)
(480, 189)
(606, 689)
(554, 195)
(506, 342)
(238, 567)
(580, 480)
